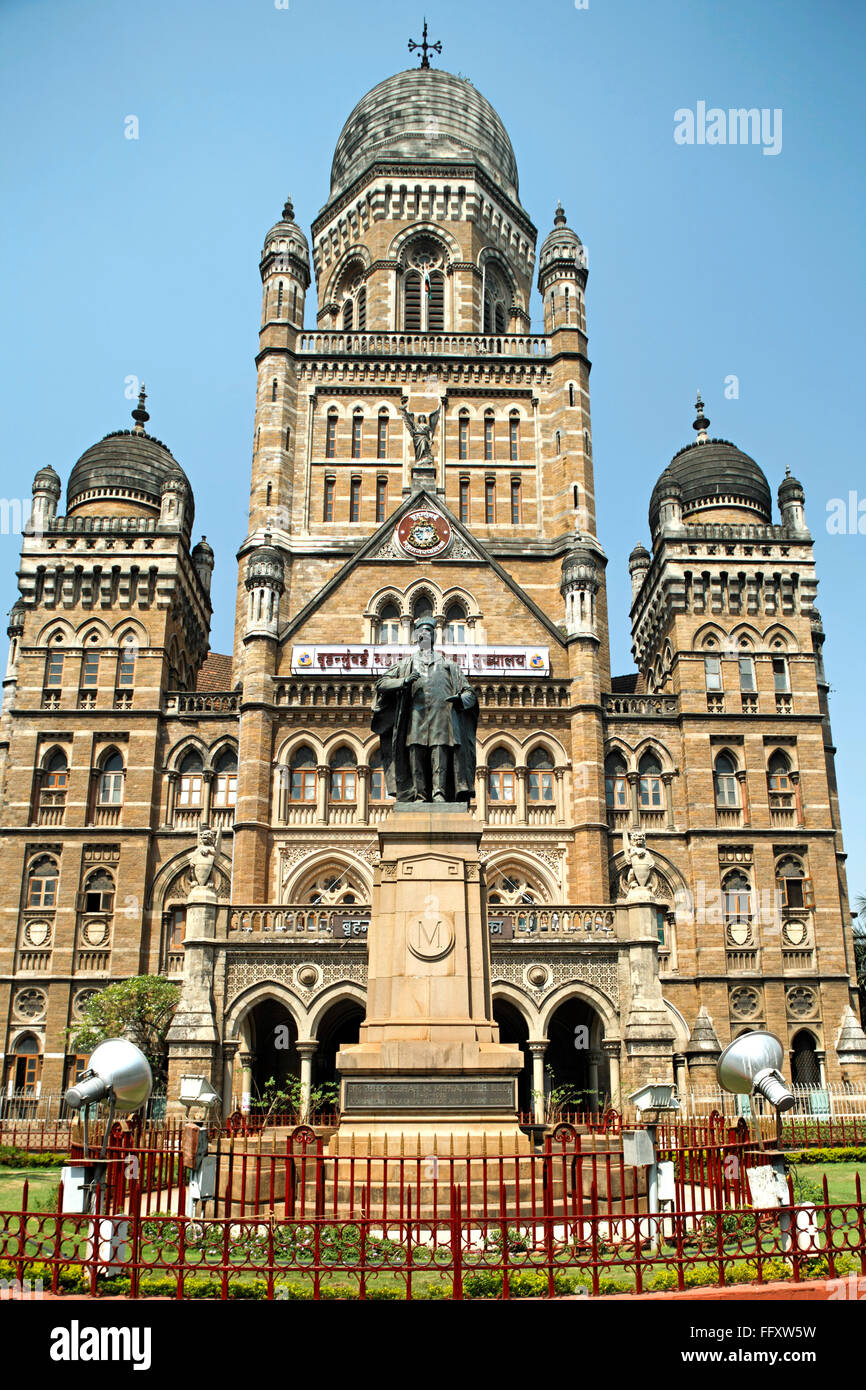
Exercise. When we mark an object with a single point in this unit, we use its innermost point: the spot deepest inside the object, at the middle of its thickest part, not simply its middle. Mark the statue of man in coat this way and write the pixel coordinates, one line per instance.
(425, 713)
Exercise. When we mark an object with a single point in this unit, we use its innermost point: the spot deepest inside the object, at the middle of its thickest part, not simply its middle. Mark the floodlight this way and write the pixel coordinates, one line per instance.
(752, 1063)
(117, 1069)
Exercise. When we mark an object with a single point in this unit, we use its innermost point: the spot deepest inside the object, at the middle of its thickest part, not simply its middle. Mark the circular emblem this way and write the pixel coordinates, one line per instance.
(305, 659)
(423, 532)
(430, 935)
(30, 1003)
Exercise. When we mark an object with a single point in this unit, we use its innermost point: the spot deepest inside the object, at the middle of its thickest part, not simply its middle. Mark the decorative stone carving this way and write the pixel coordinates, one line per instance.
(802, 1001)
(30, 1004)
(81, 1001)
(640, 876)
(203, 858)
(745, 1001)
(242, 971)
(593, 968)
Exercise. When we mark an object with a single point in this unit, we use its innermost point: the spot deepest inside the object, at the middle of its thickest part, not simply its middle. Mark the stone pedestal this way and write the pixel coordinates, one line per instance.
(429, 1069)
(648, 1032)
(193, 1039)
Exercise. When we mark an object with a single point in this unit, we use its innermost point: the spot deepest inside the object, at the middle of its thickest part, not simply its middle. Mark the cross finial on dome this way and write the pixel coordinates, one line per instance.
(701, 424)
(425, 46)
(559, 216)
(288, 210)
(140, 415)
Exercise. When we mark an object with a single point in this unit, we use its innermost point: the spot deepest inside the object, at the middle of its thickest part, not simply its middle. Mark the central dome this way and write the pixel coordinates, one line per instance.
(424, 114)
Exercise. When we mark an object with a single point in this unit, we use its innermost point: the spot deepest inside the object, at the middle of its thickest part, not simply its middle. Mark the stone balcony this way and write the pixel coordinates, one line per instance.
(375, 344)
(532, 923)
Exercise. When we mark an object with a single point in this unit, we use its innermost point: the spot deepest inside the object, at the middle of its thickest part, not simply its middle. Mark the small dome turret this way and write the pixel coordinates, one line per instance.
(562, 276)
(716, 482)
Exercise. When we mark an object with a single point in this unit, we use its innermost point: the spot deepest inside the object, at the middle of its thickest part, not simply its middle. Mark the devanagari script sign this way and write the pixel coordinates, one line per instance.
(373, 659)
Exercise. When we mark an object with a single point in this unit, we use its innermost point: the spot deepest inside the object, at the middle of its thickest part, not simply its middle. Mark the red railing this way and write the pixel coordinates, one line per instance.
(458, 1254)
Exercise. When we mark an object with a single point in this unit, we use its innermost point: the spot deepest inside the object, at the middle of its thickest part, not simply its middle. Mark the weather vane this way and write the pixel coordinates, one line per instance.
(425, 46)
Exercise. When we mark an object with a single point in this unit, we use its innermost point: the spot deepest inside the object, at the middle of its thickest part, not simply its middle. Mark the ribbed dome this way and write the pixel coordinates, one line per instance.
(714, 473)
(287, 236)
(424, 114)
(561, 244)
(125, 465)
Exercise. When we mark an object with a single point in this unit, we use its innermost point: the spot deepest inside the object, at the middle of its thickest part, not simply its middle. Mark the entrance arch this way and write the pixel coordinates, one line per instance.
(514, 1029)
(272, 1039)
(338, 1026)
(575, 1032)
(805, 1067)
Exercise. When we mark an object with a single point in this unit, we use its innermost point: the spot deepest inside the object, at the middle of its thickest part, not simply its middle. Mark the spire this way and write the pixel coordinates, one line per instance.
(559, 216)
(288, 210)
(701, 424)
(424, 47)
(140, 415)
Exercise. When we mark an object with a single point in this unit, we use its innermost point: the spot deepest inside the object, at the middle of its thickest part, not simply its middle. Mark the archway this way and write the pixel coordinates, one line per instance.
(805, 1067)
(574, 1059)
(273, 1035)
(339, 1026)
(513, 1028)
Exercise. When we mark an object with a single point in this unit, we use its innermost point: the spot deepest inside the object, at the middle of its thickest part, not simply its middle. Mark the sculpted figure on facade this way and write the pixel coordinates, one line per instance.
(421, 429)
(204, 857)
(640, 875)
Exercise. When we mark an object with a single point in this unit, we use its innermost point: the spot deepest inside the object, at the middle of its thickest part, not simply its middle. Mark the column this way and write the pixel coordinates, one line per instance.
(559, 788)
(324, 775)
(538, 1049)
(633, 779)
(667, 778)
(229, 1053)
(611, 1048)
(206, 794)
(281, 793)
(821, 1057)
(521, 774)
(593, 1059)
(171, 800)
(363, 775)
(681, 1076)
(306, 1051)
(246, 1059)
(744, 796)
(481, 792)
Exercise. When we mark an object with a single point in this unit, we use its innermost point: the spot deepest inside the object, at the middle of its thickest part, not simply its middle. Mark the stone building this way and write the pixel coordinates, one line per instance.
(123, 735)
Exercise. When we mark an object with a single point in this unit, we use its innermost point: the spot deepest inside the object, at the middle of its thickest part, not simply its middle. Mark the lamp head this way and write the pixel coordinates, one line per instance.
(752, 1062)
(116, 1067)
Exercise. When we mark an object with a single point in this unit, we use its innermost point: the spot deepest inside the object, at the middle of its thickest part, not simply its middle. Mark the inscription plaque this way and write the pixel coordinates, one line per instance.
(395, 1094)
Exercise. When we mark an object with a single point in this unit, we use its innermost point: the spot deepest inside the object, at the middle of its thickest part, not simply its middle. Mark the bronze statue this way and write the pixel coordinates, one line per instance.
(425, 713)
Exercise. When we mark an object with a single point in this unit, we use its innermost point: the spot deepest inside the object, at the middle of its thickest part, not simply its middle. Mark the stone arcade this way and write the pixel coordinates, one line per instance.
(652, 862)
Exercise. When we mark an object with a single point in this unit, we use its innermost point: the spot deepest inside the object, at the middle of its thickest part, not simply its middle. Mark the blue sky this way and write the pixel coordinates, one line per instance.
(139, 258)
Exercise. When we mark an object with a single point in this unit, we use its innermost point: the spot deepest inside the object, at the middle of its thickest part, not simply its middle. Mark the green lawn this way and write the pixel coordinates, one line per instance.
(43, 1187)
(840, 1180)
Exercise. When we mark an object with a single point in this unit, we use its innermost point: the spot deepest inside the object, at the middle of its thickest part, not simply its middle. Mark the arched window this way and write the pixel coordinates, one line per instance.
(805, 1067)
(463, 435)
(779, 774)
(382, 435)
(490, 501)
(615, 782)
(412, 301)
(650, 783)
(302, 774)
(90, 664)
(274, 389)
(26, 1066)
(176, 929)
(515, 502)
(557, 442)
(540, 779)
(389, 623)
(725, 781)
(98, 895)
(381, 497)
(514, 436)
(737, 897)
(496, 301)
(42, 884)
(794, 888)
(571, 393)
(500, 776)
(489, 436)
(422, 608)
(362, 308)
(225, 786)
(344, 775)
(378, 788)
(110, 792)
(191, 776)
(357, 431)
(464, 500)
(355, 499)
(56, 778)
(348, 314)
(455, 623)
(280, 299)
(126, 661)
(331, 435)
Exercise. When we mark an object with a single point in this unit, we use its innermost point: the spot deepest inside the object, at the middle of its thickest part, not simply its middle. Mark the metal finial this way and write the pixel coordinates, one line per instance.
(425, 47)
(140, 415)
(288, 210)
(701, 423)
(559, 216)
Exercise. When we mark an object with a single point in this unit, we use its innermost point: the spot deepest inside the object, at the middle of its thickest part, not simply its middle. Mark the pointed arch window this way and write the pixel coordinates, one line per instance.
(56, 779)
(98, 895)
(726, 785)
(792, 884)
(357, 433)
(110, 788)
(225, 787)
(422, 608)
(26, 1066)
(381, 498)
(737, 897)
(464, 500)
(382, 435)
(344, 776)
(615, 782)
(412, 301)
(455, 624)
(362, 308)
(331, 435)
(355, 499)
(489, 436)
(651, 788)
(302, 774)
(463, 435)
(424, 287)
(42, 883)
(500, 776)
(540, 777)
(348, 315)
(514, 436)
(490, 501)
(191, 770)
(389, 624)
(515, 502)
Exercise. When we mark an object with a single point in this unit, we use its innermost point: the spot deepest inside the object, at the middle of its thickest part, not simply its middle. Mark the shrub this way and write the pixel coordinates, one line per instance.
(22, 1158)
